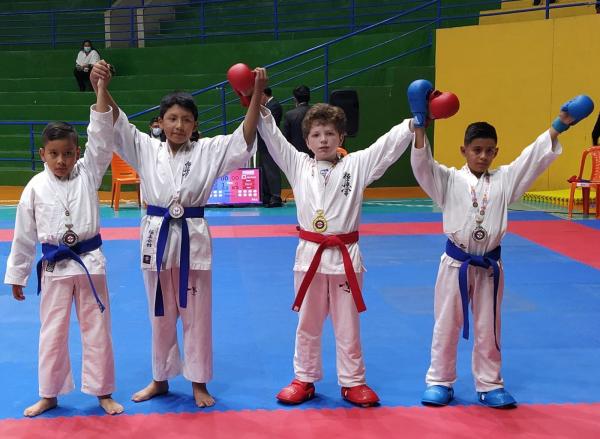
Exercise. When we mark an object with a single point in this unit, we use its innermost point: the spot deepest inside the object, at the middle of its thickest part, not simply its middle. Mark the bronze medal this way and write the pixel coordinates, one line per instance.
(70, 238)
(479, 234)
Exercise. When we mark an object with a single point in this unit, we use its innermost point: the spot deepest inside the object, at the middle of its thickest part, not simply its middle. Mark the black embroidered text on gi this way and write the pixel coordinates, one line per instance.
(346, 186)
(150, 239)
(147, 259)
(186, 169)
(345, 287)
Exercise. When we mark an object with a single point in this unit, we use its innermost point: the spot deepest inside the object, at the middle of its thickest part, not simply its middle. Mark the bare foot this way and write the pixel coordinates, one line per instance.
(201, 395)
(40, 407)
(155, 388)
(110, 406)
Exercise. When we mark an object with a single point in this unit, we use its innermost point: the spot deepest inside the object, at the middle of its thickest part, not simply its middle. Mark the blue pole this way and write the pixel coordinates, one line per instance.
(275, 20)
(132, 22)
(326, 76)
(53, 29)
(547, 9)
(32, 146)
(202, 21)
(224, 110)
(438, 20)
(352, 16)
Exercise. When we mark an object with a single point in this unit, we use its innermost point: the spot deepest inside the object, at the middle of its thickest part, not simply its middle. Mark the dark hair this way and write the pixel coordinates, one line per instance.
(57, 131)
(154, 119)
(183, 99)
(482, 130)
(91, 45)
(268, 92)
(322, 114)
(302, 93)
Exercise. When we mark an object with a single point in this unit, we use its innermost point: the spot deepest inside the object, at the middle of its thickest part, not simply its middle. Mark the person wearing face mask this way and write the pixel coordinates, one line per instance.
(156, 131)
(86, 58)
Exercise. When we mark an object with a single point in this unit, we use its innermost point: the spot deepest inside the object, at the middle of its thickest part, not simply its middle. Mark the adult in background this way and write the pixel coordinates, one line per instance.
(270, 174)
(292, 121)
(86, 58)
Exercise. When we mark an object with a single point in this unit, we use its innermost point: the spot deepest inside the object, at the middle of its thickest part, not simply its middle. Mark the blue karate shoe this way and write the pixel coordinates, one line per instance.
(437, 396)
(498, 398)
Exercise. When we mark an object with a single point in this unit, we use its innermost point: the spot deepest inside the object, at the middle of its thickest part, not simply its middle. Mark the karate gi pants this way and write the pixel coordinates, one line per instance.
(486, 359)
(54, 368)
(328, 294)
(197, 326)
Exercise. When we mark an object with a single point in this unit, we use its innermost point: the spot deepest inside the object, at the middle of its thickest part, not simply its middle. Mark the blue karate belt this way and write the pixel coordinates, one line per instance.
(490, 259)
(184, 256)
(55, 253)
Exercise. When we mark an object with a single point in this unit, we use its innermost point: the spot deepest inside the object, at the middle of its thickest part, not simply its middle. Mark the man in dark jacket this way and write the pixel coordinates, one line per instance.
(270, 175)
(292, 122)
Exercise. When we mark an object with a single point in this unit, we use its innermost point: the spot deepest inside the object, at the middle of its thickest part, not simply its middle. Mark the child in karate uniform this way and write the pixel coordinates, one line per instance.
(59, 208)
(328, 270)
(474, 201)
(176, 177)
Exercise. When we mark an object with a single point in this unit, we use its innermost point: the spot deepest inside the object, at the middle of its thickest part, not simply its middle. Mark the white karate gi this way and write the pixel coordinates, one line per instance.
(340, 198)
(40, 218)
(191, 171)
(450, 188)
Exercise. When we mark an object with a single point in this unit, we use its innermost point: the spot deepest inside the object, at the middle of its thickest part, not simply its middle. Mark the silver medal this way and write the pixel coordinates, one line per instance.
(176, 210)
(479, 234)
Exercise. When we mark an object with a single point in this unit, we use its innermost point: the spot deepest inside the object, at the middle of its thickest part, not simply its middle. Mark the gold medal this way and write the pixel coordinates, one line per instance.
(319, 222)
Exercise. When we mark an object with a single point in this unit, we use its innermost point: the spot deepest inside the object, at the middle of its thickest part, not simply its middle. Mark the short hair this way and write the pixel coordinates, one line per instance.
(154, 119)
(268, 92)
(302, 93)
(323, 114)
(481, 130)
(58, 131)
(183, 99)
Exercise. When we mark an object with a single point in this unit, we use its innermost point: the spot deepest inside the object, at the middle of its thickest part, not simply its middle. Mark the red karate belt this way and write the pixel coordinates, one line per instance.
(325, 241)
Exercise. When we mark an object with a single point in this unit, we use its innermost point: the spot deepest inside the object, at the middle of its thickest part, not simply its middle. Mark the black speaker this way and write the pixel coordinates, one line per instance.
(347, 100)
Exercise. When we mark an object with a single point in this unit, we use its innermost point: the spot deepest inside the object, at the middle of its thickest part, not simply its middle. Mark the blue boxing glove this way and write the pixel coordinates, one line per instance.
(418, 100)
(578, 108)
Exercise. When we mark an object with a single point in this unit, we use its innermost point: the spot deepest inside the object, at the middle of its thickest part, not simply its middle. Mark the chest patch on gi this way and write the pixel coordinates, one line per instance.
(186, 169)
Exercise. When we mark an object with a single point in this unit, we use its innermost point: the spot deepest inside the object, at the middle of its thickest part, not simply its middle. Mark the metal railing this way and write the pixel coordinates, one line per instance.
(33, 153)
(317, 61)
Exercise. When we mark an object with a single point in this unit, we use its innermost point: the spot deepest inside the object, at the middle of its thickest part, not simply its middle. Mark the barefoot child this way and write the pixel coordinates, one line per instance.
(177, 177)
(59, 209)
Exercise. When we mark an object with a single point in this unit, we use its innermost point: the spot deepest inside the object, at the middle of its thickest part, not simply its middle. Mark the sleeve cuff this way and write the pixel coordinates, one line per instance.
(101, 115)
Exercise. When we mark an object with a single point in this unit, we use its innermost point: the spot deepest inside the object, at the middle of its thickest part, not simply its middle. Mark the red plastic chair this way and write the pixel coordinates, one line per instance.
(586, 184)
(122, 173)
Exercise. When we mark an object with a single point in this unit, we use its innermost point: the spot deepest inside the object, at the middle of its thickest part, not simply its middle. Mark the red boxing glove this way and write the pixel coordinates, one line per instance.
(443, 105)
(241, 79)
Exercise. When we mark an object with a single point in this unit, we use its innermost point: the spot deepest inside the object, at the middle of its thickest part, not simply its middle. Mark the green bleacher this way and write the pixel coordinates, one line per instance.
(39, 85)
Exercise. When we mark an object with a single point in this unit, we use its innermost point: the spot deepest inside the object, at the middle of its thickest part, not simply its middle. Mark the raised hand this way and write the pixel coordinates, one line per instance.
(572, 112)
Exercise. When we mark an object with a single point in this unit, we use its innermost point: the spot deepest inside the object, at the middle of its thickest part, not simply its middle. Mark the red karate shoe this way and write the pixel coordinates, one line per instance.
(361, 395)
(296, 393)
